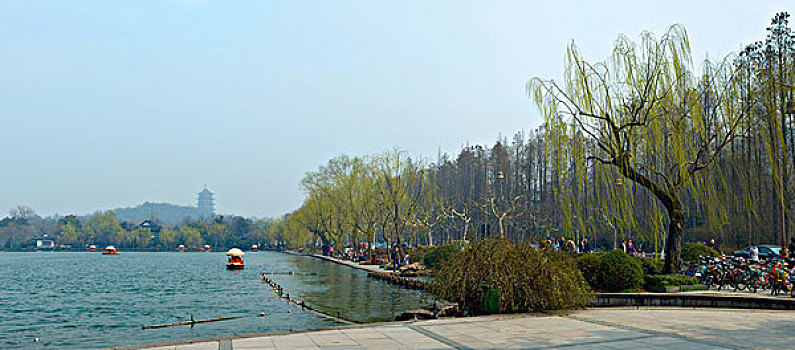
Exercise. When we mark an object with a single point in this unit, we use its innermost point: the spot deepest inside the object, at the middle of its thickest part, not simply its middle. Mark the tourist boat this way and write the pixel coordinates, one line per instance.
(181, 248)
(235, 259)
(207, 248)
(92, 248)
(254, 248)
(110, 250)
(201, 249)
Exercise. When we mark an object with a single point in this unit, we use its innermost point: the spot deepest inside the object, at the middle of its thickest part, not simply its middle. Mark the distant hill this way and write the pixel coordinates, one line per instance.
(169, 214)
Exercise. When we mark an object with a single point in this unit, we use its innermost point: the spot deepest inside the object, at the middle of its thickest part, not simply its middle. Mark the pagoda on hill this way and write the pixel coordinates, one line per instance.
(205, 202)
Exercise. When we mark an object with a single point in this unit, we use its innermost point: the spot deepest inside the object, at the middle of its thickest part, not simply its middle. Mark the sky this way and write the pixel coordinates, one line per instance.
(107, 104)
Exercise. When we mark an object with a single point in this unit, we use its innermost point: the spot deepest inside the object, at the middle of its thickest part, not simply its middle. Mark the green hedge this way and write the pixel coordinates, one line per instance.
(589, 265)
(615, 270)
(691, 251)
(526, 279)
(437, 255)
(672, 280)
(651, 266)
(620, 271)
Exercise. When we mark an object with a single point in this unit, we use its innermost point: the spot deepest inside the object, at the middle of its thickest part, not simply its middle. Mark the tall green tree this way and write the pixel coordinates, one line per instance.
(104, 228)
(650, 118)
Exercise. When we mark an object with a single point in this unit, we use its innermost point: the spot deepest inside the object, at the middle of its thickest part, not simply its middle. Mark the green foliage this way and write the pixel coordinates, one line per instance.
(651, 266)
(417, 255)
(103, 228)
(190, 237)
(437, 255)
(168, 238)
(671, 280)
(619, 271)
(139, 237)
(691, 251)
(526, 279)
(590, 265)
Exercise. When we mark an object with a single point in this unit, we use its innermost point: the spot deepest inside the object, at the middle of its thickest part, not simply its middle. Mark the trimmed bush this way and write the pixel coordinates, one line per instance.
(651, 266)
(589, 265)
(672, 280)
(437, 255)
(525, 278)
(691, 251)
(619, 271)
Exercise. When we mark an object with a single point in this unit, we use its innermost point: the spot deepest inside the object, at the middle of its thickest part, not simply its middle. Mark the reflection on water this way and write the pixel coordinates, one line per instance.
(349, 291)
(86, 300)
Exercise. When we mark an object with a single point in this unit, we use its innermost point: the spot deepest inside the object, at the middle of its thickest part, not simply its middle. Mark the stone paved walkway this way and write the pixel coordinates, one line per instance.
(608, 328)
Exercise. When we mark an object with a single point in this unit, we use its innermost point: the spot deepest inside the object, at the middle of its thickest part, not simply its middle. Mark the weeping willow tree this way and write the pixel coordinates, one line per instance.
(768, 69)
(641, 118)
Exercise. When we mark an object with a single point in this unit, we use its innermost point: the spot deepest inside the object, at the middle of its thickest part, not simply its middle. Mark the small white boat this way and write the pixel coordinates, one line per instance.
(235, 259)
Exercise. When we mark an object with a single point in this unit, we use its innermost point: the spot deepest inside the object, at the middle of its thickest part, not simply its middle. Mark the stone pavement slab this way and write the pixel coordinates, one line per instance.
(598, 328)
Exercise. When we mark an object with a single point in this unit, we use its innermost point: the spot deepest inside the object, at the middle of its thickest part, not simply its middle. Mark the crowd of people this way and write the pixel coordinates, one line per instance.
(362, 254)
(584, 246)
(568, 245)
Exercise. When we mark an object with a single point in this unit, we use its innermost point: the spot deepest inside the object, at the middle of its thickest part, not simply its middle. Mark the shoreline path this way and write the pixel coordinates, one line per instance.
(595, 328)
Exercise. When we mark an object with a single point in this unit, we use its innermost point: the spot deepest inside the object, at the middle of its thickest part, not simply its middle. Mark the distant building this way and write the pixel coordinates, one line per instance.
(153, 227)
(44, 243)
(205, 202)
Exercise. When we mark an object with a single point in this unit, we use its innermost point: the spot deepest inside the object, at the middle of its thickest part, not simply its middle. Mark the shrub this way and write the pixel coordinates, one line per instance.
(691, 251)
(651, 266)
(672, 280)
(526, 279)
(589, 265)
(619, 271)
(416, 255)
(439, 254)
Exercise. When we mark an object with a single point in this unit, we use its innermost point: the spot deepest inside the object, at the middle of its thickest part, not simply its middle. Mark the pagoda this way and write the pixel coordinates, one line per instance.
(205, 202)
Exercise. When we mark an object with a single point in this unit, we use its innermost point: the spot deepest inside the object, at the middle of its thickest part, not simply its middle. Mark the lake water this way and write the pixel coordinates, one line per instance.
(87, 300)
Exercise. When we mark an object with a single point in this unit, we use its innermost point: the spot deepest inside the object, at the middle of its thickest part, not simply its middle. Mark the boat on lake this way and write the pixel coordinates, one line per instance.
(207, 248)
(235, 259)
(181, 248)
(92, 248)
(110, 250)
(254, 248)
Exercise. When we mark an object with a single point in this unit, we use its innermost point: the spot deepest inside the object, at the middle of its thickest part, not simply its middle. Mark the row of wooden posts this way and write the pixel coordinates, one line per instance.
(401, 281)
(279, 290)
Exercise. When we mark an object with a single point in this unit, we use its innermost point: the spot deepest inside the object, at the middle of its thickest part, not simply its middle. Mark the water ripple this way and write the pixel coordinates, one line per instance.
(86, 300)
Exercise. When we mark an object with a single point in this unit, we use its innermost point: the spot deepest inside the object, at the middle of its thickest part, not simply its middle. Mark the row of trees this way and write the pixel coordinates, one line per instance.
(641, 146)
(355, 200)
(23, 224)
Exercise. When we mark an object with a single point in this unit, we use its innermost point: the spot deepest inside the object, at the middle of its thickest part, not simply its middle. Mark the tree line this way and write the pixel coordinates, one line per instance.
(641, 145)
(22, 225)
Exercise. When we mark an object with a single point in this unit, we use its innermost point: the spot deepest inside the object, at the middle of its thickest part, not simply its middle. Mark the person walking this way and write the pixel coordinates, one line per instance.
(585, 247)
(395, 259)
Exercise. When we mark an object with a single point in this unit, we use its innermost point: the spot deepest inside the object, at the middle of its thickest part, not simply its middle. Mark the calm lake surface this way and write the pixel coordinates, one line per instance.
(87, 300)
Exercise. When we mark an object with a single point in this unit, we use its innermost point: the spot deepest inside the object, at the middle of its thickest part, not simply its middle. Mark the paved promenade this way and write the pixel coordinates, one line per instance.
(608, 328)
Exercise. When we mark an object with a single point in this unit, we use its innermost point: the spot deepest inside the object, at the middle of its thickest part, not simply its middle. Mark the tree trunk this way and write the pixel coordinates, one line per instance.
(673, 244)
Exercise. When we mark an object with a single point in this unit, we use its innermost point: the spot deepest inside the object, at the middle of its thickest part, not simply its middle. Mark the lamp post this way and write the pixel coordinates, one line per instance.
(619, 182)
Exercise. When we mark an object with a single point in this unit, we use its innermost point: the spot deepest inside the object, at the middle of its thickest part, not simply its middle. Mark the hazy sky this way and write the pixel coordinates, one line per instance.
(109, 104)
